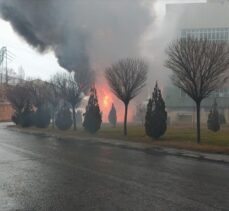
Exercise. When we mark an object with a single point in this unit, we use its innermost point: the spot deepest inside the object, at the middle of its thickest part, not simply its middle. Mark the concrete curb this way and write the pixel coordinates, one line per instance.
(222, 158)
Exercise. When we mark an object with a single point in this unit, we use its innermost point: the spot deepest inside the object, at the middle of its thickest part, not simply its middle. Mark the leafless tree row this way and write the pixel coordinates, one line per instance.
(199, 67)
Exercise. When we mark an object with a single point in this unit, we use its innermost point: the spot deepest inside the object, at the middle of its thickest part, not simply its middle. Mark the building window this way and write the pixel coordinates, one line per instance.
(220, 34)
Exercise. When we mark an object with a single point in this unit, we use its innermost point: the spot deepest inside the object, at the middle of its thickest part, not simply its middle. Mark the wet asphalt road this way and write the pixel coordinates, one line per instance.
(39, 173)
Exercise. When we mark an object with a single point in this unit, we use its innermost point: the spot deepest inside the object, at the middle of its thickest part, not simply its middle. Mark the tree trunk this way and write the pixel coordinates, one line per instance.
(53, 120)
(74, 117)
(198, 121)
(125, 119)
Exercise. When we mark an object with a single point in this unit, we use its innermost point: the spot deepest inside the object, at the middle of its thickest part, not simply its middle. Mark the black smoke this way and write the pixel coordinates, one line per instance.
(81, 33)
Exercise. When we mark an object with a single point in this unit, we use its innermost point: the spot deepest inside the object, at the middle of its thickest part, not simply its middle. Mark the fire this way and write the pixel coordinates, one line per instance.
(106, 101)
(106, 98)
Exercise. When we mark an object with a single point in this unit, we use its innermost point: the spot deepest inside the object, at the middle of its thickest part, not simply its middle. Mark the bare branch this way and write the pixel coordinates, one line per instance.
(19, 96)
(199, 66)
(126, 78)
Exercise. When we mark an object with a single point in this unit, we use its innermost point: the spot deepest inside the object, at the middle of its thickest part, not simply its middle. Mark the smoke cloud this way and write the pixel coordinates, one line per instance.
(159, 35)
(156, 39)
(81, 33)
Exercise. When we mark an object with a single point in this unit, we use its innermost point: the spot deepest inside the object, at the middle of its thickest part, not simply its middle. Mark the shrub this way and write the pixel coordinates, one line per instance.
(64, 119)
(148, 118)
(156, 116)
(42, 117)
(92, 116)
(27, 119)
(79, 118)
(112, 116)
(213, 118)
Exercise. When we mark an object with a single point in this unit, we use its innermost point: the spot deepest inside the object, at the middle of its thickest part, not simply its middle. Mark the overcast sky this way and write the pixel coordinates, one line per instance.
(34, 64)
(41, 65)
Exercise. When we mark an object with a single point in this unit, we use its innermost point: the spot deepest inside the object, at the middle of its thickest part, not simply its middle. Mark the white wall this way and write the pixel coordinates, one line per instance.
(199, 15)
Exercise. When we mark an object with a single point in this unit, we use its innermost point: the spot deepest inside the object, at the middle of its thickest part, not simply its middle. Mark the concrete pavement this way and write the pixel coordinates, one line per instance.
(46, 173)
(137, 146)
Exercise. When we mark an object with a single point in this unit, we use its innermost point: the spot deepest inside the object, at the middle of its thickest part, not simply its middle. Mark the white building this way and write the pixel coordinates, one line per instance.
(204, 20)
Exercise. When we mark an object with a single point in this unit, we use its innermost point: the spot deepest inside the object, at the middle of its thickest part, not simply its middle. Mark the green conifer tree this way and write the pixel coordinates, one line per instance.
(148, 118)
(63, 118)
(27, 117)
(42, 117)
(92, 116)
(79, 118)
(112, 116)
(156, 116)
(213, 118)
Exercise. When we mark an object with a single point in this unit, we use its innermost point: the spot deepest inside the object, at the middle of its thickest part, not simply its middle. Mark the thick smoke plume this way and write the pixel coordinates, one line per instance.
(81, 33)
(159, 35)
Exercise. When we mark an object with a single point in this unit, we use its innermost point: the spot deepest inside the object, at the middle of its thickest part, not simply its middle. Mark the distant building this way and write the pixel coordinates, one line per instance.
(181, 108)
(204, 20)
(200, 20)
(6, 109)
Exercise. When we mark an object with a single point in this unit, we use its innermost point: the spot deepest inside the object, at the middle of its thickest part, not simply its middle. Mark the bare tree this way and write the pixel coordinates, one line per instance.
(54, 99)
(126, 78)
(199, 67)
(70, 90)
(20, 98)
(40, 92)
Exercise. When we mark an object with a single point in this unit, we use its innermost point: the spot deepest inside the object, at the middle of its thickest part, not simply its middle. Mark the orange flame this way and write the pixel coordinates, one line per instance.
(106, 101)
(106, 98)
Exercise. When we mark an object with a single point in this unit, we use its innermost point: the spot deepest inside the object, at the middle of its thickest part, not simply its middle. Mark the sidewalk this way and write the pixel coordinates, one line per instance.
(148, 148)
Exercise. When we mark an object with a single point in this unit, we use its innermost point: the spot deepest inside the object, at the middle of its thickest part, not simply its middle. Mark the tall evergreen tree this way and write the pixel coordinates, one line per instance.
(213, 118)
(79, 118)
(42, 117)
(63, 118)
(27, 116)
(148, 118)
(112, 116)
(92, 116)
(156, 116)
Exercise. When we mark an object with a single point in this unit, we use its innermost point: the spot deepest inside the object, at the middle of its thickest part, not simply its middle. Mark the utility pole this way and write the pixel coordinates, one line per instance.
(3, 59)
(5, 55)
(7, 79)
(1, 62)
